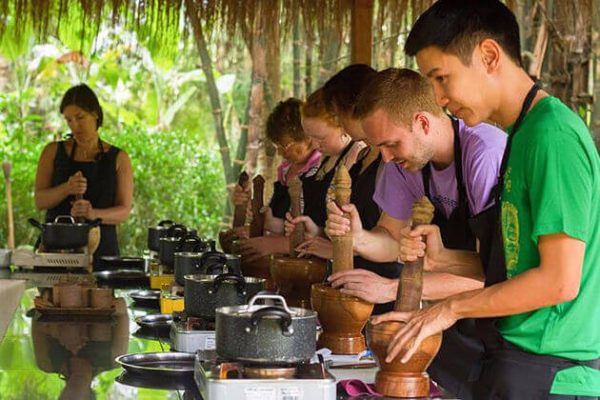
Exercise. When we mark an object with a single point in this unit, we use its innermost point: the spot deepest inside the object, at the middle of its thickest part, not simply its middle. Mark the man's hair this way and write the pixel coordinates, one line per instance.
(315, 107)
(341, 91)
(284, 120)
(457, 26)
(400, 93)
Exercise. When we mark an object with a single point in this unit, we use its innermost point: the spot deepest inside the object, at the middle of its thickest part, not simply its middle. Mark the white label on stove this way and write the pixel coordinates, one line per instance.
(260, 393)
(209, 343)
(290, 393)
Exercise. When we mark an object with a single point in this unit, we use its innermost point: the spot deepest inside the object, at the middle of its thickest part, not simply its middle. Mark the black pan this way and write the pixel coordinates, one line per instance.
(116, 262)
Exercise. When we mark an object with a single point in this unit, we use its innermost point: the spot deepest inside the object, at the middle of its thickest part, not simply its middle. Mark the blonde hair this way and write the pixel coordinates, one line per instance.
(315, 107)
(400, 93)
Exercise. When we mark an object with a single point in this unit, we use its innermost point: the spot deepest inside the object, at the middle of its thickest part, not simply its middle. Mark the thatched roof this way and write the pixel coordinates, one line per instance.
(163, 19)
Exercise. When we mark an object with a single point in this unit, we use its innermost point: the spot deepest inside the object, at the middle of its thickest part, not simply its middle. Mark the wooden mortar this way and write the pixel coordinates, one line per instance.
(342, 317)
(410, 379)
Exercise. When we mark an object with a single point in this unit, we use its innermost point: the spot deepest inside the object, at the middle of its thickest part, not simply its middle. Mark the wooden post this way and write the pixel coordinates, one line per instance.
(410, 287)
(362, 23)
(343, 254)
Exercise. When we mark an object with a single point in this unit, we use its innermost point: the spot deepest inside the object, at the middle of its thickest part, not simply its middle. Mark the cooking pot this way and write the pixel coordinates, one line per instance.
(64, 232)
(266, 334)
(156, 232)
(204, 263)
(189, 242)
(204, 293)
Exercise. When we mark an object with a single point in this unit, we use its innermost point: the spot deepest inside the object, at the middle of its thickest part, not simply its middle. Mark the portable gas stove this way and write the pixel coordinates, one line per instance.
(191, 335)
(46, 269)
(222, 380)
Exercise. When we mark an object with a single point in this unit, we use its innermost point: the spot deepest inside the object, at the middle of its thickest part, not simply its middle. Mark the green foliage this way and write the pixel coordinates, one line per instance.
(161, 118)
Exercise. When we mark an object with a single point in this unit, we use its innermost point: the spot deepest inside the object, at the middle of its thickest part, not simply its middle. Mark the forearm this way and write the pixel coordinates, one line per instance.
(274, 225)
(113, 215)
(51, 197)
(376, 245)
(437, 286)
(462, 263)
(528, 291)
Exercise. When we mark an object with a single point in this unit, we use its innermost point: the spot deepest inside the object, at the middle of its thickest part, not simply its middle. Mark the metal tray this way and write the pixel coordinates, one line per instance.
(155, 321)
(145, 295)
(120, 275)
(160, 364)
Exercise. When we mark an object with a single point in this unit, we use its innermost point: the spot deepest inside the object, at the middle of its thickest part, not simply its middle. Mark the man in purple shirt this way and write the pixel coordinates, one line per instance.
(427, 153)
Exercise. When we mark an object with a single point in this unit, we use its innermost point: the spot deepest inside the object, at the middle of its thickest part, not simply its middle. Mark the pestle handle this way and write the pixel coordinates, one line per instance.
(295, 191)
(239, 213)
(343, 252)
(410, 285)
(258, 218)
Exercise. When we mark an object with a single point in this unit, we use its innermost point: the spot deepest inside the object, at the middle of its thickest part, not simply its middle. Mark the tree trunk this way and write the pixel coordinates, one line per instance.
(595, 125)
(213, 92)
(296, 57)
(329, 48)
(308, 64)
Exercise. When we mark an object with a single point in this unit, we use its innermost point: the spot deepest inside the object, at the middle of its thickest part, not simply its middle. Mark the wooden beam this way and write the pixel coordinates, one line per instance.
(362, 23)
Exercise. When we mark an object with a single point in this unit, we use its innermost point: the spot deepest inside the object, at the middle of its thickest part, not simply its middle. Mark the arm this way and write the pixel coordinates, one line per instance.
(379, 244)
(556, 280)
(45, 195)
(273, 225)
(124, 197)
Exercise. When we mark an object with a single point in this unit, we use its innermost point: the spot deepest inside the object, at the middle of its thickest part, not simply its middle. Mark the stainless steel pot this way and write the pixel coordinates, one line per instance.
(266, 334)
(204, 293)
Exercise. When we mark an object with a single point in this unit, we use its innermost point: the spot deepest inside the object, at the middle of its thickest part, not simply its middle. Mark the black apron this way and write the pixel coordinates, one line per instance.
(363, 188)
(453, 366)
(314, 191)
(507, 371)
(101, 190)
(280, 201)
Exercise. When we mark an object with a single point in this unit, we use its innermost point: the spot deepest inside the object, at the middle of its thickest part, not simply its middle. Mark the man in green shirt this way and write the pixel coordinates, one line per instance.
(543, 271)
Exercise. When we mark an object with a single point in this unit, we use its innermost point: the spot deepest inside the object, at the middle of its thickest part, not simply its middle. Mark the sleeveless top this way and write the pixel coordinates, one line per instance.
(101, 191)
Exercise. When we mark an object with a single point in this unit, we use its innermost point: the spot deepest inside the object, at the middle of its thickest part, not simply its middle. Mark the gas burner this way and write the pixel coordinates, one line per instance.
(189, 335)
(221, 379)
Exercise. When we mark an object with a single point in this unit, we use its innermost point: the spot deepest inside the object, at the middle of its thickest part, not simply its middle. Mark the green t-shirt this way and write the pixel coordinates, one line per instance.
(552, 185)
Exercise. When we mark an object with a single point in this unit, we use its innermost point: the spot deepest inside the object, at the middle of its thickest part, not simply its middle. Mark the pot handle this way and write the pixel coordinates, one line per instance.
(266, 296)
(176, 228)
(285, 319)
(59, 217)
(237, 279)
(210, 269)
(34, 222)
(214, 257)
(165, 222)
(95, 222)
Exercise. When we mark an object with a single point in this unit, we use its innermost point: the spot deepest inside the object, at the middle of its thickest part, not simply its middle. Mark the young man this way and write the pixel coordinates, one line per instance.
(544, 279)
(427, 153)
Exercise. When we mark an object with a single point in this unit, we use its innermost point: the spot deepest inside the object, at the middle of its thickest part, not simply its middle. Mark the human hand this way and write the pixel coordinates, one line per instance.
(419, 325)
(241, 232)
(365, 285)
(310, 228)
(254, 248)
(317, 246)
(77, 184)
(412, 245)
(240, 196)
(337, 224)
(84, 209)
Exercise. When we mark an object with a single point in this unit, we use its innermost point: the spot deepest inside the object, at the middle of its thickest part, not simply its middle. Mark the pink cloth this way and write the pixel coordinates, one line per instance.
(313, 160)
(356, 387)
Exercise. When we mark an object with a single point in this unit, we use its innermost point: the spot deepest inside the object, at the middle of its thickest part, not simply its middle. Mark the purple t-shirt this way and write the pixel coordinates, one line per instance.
(482, 147)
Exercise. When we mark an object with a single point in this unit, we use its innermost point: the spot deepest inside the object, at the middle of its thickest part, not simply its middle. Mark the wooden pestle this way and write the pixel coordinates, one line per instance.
(239, 213)
(295, 191)
(410, 286)
(343, 253)
(6, 167)
(257, 225)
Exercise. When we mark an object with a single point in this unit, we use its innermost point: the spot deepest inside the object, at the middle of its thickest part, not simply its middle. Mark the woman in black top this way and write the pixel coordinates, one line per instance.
(300, 157)
(84, 176)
